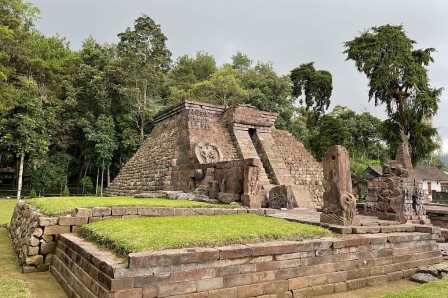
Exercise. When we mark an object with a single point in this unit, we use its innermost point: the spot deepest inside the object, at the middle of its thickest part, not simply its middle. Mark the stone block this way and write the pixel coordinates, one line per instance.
(101, 211)
(47, 247)
(209, 284)
(366, 229)
(56, 230)
(37, 232)
(119, 211)
(34, 260)
(178, 288)
(274, 248)
(131, 293)
(234, 251)
(172, 257)
(82, 212)
(48, 221)
(350, 240)
(155, 211)
(72, 221)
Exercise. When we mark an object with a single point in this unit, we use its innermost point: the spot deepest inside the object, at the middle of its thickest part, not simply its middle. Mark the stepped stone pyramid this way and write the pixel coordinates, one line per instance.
(227, 153)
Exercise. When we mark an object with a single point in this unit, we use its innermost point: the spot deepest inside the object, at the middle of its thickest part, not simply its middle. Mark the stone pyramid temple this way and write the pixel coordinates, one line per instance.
(227, 153)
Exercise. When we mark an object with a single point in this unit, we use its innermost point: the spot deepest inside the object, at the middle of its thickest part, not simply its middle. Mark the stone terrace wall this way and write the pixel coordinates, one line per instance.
(275, 269)
(33, 234)
(151, 166)
(305, 170)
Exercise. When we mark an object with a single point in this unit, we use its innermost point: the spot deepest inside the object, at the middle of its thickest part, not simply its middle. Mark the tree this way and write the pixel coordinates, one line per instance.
(313, 88)
(223, 88)
(268, 91)
(397, 74)
(145, 59)
(25, 130)
(241, 62)
(102, 135)
(186, 72)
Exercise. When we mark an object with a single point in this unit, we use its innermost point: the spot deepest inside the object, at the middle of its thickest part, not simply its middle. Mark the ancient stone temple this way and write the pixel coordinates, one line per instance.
(339, 202)
(230, 154)
(397, 194)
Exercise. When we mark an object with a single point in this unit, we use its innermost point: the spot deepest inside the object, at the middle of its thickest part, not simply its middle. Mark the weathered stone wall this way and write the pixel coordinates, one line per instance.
(33, 234)
(167, 159)
(151, 166)
(275, 269)
(33, 237)
(305, 170)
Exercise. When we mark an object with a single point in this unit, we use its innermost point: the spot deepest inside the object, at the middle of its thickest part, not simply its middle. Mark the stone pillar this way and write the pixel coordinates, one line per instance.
(339, 202)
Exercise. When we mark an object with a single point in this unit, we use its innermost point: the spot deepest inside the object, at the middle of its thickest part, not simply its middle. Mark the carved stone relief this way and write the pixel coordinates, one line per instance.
(207, 153)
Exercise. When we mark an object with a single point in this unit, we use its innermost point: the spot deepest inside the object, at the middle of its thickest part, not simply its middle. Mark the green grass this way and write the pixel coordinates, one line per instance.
(13, 288)
(156, 233)
(6, 209)
(62, 205)
(437, 289)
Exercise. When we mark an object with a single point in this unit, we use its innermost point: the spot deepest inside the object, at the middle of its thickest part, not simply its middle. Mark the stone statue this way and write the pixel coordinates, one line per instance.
(339, 202)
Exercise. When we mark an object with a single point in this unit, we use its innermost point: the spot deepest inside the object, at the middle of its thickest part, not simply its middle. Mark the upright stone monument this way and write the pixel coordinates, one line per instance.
(397, 193)
(339, 202)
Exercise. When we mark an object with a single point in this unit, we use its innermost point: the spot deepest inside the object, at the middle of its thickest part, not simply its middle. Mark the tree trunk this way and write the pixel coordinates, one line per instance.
(108, 176)
(102, 178)
(19, 182)
(97, 177)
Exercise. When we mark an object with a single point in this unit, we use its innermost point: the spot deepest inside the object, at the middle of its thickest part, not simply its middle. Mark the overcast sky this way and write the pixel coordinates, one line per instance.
(284, 32)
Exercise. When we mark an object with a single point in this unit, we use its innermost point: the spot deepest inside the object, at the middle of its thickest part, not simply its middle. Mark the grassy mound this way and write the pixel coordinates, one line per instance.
(437, 289)
(6, 210)
(13, 288)
(156, 233)
(62, 205)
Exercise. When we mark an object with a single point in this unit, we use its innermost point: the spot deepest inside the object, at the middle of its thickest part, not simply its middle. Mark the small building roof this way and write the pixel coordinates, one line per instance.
(431, 173)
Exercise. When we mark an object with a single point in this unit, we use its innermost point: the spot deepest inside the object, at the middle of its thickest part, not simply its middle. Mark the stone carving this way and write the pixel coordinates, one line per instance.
(399, 195)
(281, 196)
(339, 202)
(207, 153)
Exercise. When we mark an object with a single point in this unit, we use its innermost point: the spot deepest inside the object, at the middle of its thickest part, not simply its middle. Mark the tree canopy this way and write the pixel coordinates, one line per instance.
(398, 78)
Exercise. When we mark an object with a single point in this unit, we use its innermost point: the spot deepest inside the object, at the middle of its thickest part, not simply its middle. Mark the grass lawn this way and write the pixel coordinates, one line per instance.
(13, 288)
(6, 209)
(156, 233)
(61, 205)
(437, 289)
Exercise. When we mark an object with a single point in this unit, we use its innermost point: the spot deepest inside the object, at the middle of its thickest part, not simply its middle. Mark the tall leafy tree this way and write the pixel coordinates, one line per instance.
(145, 58)
(313, 88)
(398, 76)
(102, 135)
(25, 131)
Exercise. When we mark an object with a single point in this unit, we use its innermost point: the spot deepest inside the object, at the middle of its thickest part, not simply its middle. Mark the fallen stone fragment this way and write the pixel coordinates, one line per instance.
(423, 278)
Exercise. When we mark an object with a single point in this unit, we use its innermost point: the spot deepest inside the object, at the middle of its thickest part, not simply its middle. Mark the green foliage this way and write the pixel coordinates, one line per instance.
(50, 175)
(102, 135)
(87, 185)
(398, 78)
(360, 133)
(223, 87)
(156, 233)
(145, 59)
(63, 205)
(313, 88)
(66, 191)
(33, 193)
